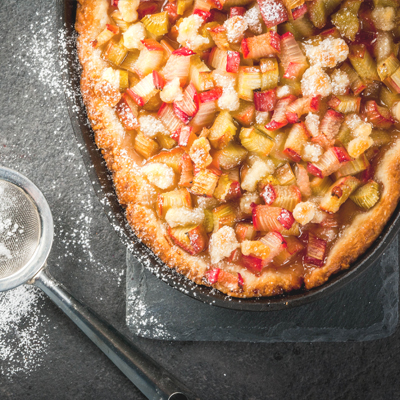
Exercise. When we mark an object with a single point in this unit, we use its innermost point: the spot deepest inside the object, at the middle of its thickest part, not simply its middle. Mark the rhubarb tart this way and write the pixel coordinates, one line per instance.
(254, 145)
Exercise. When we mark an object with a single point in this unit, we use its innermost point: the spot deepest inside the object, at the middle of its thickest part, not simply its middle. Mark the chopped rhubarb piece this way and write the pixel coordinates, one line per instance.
(245, 231)
(229, 280)
(266, 218)
(276, 244)
(235, 256)
(211, 275)
(329, 162)
(303, 180)
(151, 58)
(245, 114)
(223, 215)
(186, 137)
(294, 62)
(294, 246)
(273, 12)
(254, 140)
(174, 198)
(222, 190)
(265, 101)
(240, 280)
(233, 61)
(127, 112)
(183, 51)
(269, 194)
(187, 108)
(253, 264)
(286, 197)
(338, 193)
(299, 11)
(148, 8)
(356, 83)
(107, 34)
(286, 218)
(115, 52)
(249, 79)
(206, 15)
(363, 63)
(178, 65)
(205, 182)
(158, 80)
(231, 156)
(220, 37)
(223, 130)
(345, 104)
(114, 29)
(298, 137)
(192, 239)
(234, 11)
(144, 90)
(265, 45)
(279, 118)
(168, 118)
(366, 196)
(378, 116)
(285, 175)
(211, 95)
(172, 158)
(316, 249)
(331, 123)
(301, 106)
(218, 59)
(207, 108)
(171, 9)
(186, 179)
(314, 170)
(341, 154)
(292, 154)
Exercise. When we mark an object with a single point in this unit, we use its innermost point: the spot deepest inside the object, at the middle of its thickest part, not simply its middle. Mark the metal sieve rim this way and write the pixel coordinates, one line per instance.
(38, 260)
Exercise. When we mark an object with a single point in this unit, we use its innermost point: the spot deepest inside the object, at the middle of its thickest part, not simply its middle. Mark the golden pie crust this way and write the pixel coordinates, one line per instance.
(114, 142)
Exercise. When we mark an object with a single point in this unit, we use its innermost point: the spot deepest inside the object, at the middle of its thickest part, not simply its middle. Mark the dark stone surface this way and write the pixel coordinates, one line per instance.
(156, 311)
(36, 139)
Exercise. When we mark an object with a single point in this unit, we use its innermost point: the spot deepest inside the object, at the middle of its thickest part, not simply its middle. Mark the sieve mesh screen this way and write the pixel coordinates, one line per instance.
(19, 229)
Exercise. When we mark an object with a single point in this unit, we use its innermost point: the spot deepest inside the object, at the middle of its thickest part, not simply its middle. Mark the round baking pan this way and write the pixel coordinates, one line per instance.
(103, 186)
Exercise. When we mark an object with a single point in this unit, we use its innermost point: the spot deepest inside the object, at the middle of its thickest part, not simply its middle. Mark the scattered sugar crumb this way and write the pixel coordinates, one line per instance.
(180, 216)
(188, 32)
(328, 53)
(316, 82)
(235, 28)
(151, 126)
(254, 20)
(222, 243)
(133, 36)
(172, 91)
(160, 175)
(340, 82)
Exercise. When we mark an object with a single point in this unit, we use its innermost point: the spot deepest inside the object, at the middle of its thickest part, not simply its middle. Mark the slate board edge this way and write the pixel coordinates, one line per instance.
(381, 330)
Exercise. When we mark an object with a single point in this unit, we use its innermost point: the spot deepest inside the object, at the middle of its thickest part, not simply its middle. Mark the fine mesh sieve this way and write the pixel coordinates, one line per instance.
(19, 229)
(26, 236)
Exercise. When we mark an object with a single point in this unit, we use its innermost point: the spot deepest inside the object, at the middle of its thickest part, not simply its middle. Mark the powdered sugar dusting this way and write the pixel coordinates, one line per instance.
(23, 339)
(23, 336)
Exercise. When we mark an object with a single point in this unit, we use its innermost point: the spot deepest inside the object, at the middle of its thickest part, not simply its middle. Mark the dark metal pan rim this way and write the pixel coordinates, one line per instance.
(103, 187)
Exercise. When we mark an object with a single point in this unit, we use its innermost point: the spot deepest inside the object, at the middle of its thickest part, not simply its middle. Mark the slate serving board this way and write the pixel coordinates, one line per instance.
(365, 309)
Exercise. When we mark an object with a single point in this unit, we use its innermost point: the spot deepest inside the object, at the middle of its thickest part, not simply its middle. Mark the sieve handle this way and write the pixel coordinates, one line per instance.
(145, 373)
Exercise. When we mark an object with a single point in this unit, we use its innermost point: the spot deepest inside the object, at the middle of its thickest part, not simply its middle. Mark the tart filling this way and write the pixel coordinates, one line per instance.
(249, 141)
